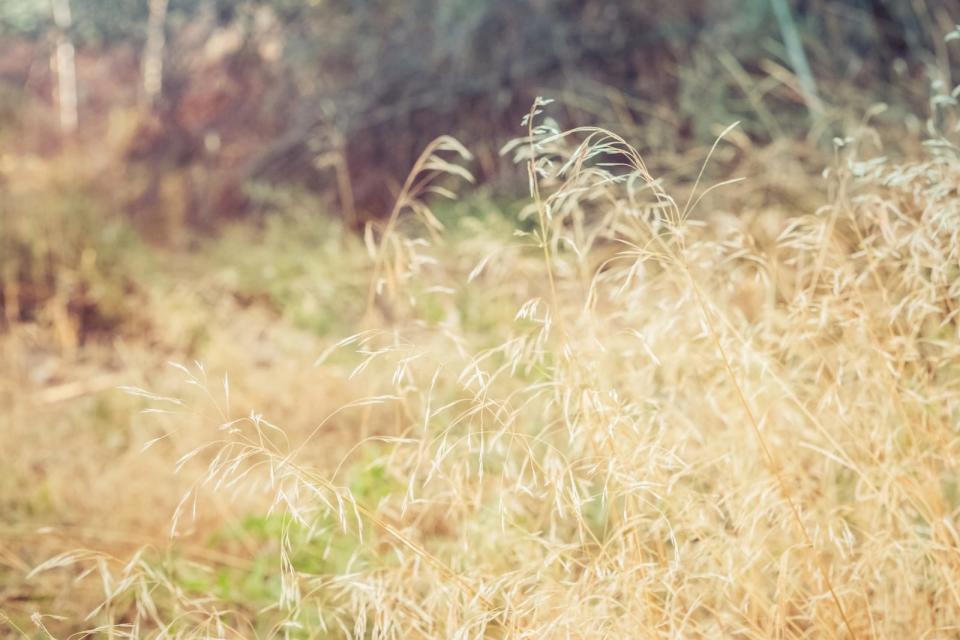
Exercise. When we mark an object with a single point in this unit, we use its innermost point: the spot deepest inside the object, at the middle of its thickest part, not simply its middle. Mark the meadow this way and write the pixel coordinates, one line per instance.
(625, 406)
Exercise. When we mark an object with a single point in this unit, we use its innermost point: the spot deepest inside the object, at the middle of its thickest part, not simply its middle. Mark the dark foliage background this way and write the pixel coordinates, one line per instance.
(339, 96)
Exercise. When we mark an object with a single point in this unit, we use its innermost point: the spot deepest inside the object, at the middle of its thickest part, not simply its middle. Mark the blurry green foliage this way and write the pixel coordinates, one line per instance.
(298, 263)
(281, 91)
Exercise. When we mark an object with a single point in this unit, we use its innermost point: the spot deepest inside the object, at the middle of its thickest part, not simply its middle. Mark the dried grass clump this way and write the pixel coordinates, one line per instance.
(668, 423)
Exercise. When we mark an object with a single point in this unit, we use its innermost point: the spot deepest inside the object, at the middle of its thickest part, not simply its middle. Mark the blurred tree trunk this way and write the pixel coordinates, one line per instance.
(153, 53)
(65, 65)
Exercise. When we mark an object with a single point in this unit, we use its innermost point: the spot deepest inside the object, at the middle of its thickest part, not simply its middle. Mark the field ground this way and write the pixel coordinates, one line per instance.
(606, 413)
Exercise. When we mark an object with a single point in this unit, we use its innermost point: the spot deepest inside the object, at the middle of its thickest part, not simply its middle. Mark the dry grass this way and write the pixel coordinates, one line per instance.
(634, 417)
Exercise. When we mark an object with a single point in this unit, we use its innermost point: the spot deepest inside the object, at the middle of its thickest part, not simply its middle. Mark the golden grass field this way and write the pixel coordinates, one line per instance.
(625, 411)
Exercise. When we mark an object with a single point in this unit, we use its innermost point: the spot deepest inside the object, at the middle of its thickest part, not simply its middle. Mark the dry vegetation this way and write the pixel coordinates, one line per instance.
(617, 414)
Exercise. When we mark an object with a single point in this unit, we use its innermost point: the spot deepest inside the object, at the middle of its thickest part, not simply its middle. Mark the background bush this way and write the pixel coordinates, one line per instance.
(339, 97)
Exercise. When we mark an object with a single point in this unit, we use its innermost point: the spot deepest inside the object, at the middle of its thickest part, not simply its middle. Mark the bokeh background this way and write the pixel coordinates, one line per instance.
(200, 181)
(182, 107)
(169, 119)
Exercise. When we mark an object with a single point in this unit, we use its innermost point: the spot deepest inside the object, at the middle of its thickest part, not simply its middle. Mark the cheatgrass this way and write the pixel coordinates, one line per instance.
(631, 415)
